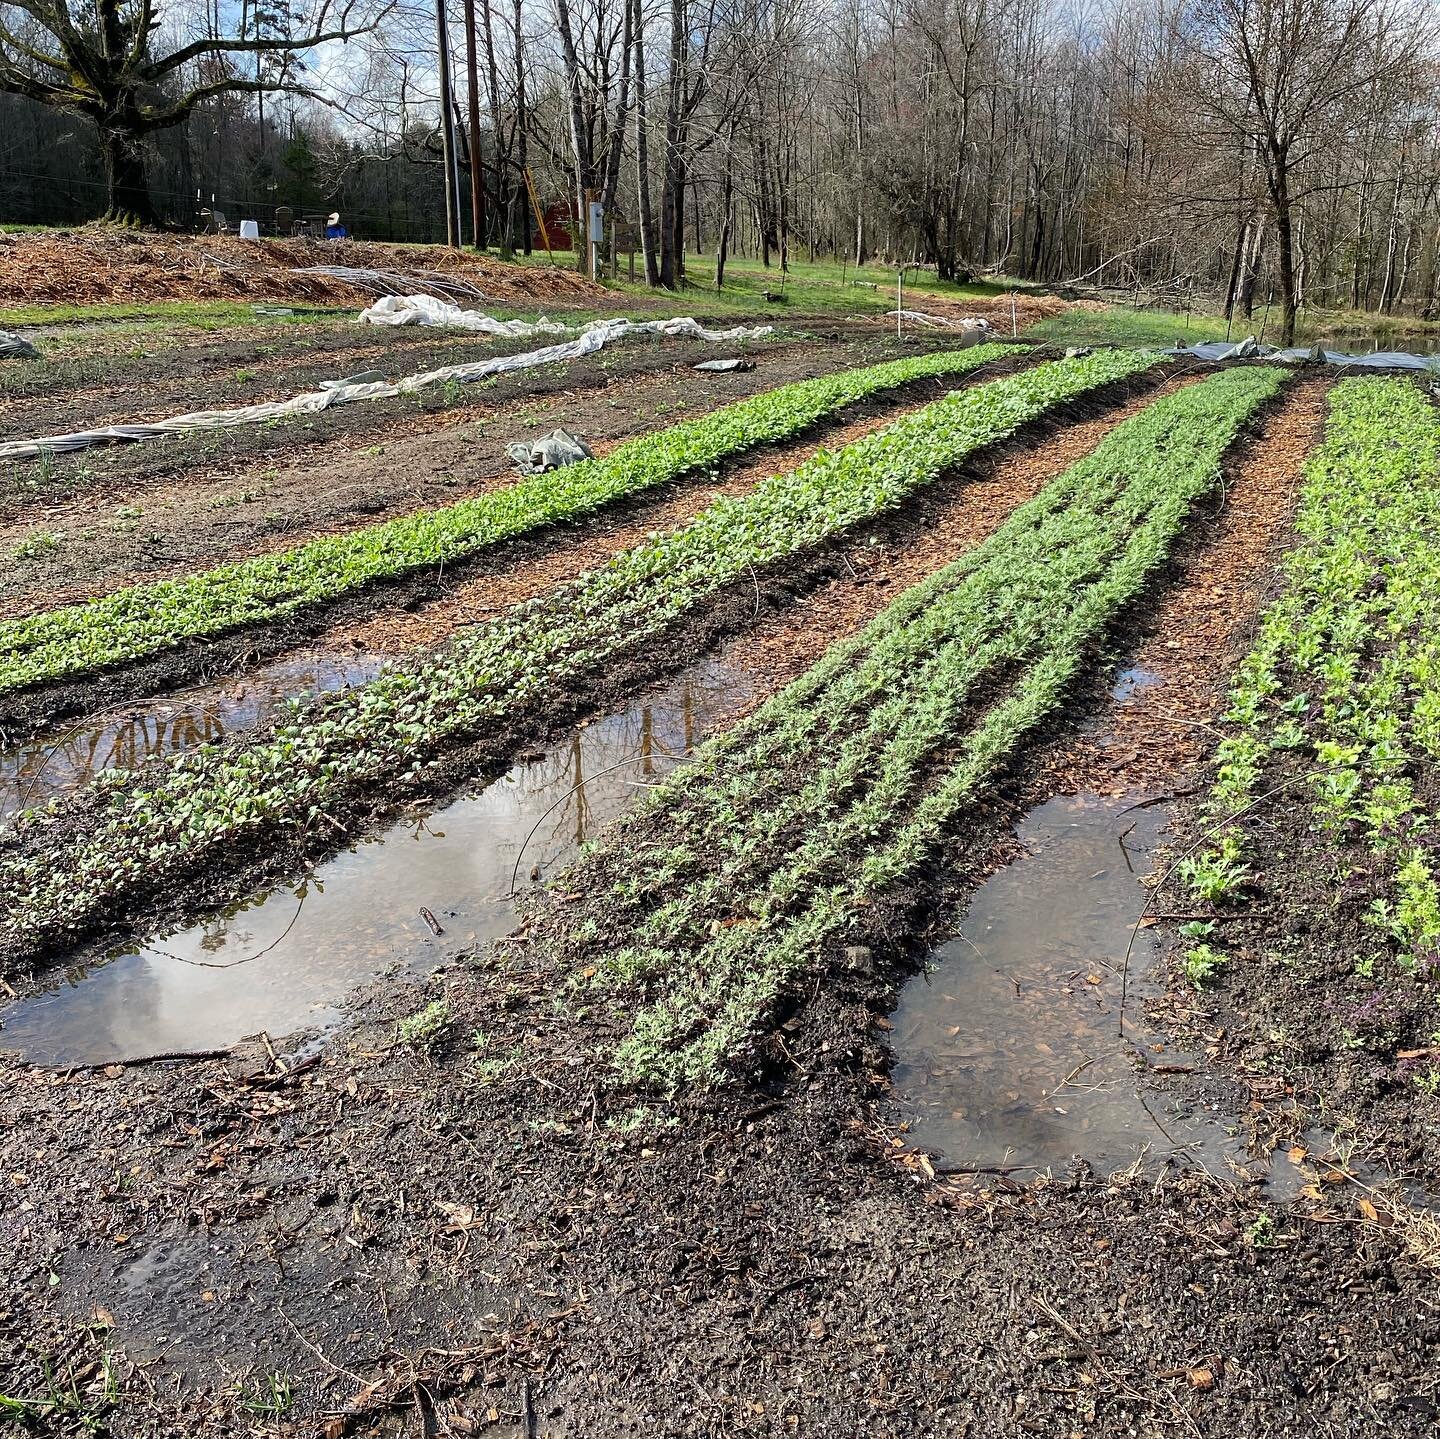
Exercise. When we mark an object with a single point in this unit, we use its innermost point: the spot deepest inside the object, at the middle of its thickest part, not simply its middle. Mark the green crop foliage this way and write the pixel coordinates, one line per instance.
(147, 619)
(176, 813)
(743, 869)
(1345, 675)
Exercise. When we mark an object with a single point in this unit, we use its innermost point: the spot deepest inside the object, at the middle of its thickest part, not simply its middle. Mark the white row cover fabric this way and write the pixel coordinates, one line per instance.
(345, 392)
(1251, 349)
(919, 317)
(438, 314)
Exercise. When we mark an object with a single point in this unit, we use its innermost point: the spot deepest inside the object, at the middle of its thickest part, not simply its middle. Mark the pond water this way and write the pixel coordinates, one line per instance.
(284, 959)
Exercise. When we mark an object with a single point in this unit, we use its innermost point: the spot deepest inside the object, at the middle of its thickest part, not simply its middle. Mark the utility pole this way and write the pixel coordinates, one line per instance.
(447, 129)
(477, 170)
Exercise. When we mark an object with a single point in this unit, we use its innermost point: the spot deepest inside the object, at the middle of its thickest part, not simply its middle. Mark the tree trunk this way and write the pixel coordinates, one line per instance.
(126, 189)
(1285, 256)
(503, 206)
(646, 217)
(584, 171)
(617, 134)
(522, 120)
(472, 137)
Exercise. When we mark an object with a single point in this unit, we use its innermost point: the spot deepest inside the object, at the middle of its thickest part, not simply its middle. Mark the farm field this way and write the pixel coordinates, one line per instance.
(901, 896)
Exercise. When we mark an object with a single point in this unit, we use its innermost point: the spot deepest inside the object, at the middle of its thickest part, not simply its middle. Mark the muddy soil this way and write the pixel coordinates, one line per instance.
(733, 610)
(466, 1227)
(135, 378)
(670, 397)
(243, 449)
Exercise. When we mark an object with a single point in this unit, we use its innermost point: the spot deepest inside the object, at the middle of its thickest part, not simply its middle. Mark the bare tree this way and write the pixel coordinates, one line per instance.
(1282, 77)
(99, 61)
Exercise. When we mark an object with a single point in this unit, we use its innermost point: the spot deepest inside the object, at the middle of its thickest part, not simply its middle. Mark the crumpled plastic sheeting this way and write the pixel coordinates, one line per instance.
(550, 452)
(593, 338)
(426, 310)
(439, 314)
(13, 347)
(1251, 349)
(919, 317)
(724, 367)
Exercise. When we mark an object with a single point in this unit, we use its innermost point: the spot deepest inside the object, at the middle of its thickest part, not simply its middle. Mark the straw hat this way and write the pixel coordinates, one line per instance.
(333, 218)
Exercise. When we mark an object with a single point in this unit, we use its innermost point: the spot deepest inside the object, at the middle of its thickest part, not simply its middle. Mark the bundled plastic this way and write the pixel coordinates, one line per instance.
(550, 452)
(12, 347)
(1251, 349)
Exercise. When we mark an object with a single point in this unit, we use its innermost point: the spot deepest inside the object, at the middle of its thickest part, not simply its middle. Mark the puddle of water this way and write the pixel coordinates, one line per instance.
(1367, 342)
(283, 959)
(1008, 1047)
(55, 763)
(1134, 681)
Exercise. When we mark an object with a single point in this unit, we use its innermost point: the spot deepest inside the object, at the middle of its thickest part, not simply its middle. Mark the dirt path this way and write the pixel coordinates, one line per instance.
(484, 1235)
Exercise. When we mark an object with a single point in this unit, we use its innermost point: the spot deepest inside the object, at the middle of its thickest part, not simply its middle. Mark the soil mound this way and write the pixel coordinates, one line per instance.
(98, 265)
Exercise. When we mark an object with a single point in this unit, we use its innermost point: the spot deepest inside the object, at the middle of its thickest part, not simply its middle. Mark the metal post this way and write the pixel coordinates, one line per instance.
(899, 299)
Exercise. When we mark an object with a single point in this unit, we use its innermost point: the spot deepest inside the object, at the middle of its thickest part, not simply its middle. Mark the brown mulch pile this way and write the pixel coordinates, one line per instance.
(96, 265)
(1029, 309)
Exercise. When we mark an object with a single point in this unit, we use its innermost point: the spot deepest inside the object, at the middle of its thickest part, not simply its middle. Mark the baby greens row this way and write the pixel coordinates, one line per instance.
(1345, 675)
(746, 868)
(146, 619)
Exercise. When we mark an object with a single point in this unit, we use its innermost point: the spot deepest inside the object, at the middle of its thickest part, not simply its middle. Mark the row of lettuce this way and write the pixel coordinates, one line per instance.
(148, 619)
(154, 826)
(1337, 706)
(772, 848)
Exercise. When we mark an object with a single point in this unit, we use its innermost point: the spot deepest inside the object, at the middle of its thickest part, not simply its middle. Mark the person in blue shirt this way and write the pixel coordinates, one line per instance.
(334, 230)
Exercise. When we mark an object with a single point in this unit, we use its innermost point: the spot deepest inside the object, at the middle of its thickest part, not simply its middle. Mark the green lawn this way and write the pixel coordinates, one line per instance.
(197, 314)
(1121, 326)
(821, 286)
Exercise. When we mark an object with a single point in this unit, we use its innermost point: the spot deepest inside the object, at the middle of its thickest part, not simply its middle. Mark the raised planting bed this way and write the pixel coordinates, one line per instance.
(1326, 787)
(744, 869)
(147, 829)
(147, 619)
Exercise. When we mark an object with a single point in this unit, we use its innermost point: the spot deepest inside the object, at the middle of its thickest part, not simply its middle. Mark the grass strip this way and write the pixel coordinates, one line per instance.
(1344, 678)
(172, 815)
(742, 869)
(143, 620)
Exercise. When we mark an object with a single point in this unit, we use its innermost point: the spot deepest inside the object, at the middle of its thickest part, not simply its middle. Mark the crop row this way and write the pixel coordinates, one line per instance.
(147, 619)
(1340, 696)
(742, 869)
(172, 815)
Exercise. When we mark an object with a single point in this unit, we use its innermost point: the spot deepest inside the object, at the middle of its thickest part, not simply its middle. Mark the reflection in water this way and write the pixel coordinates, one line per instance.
(1367, 342)
(1008, 1049)
(283, 959)
(1132, 682)
(55, 763)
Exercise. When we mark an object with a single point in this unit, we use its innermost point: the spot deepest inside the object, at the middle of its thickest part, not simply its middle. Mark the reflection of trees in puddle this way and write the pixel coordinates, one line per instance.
(42, 768)
(299, 947)
(589, 781)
